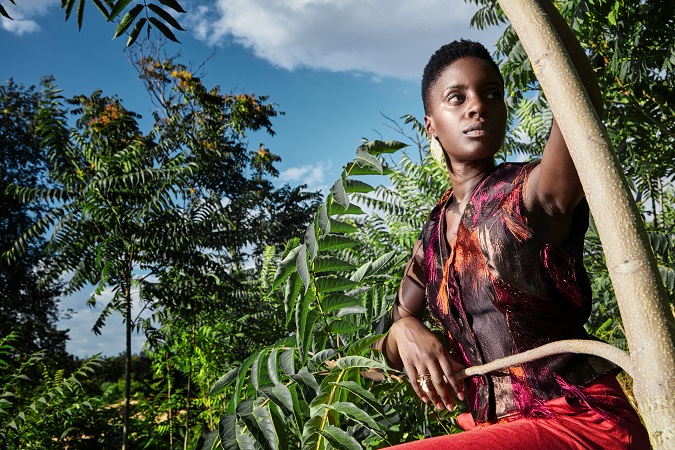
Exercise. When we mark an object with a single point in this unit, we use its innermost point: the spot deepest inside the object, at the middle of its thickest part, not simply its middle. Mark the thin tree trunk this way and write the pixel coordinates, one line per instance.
(662, 210)
(652, 197)
(187, 413)
(189, 385)
(127, 365)
(168, 397)
(647, 319)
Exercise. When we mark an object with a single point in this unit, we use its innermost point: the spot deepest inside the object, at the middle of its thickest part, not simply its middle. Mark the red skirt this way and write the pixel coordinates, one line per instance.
(575, 426)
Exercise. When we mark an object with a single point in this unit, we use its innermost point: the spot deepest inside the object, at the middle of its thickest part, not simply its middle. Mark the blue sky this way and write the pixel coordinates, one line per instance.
(335, 67)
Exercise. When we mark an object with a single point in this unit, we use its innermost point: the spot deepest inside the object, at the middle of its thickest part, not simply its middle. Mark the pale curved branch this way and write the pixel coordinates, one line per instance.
(606, 351)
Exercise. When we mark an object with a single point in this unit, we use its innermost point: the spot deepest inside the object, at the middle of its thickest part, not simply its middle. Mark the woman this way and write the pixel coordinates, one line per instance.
(498, 266)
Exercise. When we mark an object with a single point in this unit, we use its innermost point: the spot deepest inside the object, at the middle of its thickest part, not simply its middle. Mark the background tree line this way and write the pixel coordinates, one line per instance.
(274, 354)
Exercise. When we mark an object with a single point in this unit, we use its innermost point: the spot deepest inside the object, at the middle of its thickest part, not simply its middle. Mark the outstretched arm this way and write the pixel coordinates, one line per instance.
(553, 188)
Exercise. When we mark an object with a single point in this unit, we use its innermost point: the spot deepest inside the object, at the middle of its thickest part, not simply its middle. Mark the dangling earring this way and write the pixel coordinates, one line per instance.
(437, 152)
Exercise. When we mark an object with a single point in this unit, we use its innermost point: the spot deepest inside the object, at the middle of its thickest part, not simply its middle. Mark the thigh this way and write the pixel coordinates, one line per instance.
(573, 426)
(516, 435)
(578, 429)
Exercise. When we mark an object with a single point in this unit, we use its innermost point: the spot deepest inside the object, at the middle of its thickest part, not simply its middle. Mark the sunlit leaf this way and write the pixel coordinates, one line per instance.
(352, 209)
(378, 147)
(351, 185)
(364, 343)
(334, 241)
(354, 412)
(245, 440)
(331, 264)
(287, 361)
(117, 8)
(358, 275)
(351, 310)
(228, 431)
(282, 396)
(340, 326)
(80, 14)
(303, 267)
(173, 4)
(357, 168)
(306, 379)
(349, 362)
(68, 5)
(102, 8)
(263, 418)
(320, 357)
(166, 31)
(339, 301)
(168, 18)
(339, 439)
(328, 393)
(311, 439)
(286, 266)
(365, 159)
(127, 20)
(302, 312)
(291, 293)
(272, 366)
(383, 262)
(339, 194)
(224, 381)
(333, 284)
(135, 32)
(323, 219)
(310, 241)
(338, 226)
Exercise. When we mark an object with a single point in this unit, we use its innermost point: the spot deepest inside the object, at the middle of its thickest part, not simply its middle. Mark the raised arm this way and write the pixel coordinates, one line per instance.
(553, 188)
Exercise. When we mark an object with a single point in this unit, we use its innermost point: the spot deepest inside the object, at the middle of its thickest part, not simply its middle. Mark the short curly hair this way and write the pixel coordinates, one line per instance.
(448, 54)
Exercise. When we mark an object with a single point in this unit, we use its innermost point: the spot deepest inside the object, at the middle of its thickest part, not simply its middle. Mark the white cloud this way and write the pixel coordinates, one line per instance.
(24, 15)
(314, 176)
(379, 37)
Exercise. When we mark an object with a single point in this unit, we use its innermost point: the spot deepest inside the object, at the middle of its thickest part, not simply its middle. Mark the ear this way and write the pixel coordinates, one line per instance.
(429, 126)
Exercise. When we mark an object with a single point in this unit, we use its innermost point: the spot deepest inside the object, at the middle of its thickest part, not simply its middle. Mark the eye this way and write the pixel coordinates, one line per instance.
(494, 93)
(455, 97)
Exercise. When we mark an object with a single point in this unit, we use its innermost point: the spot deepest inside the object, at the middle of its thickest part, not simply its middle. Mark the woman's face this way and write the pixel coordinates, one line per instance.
(467, 111)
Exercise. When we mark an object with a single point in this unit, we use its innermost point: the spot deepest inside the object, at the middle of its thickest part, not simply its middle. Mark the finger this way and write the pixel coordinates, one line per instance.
(412, 378)
(449, 367)
(440, 394)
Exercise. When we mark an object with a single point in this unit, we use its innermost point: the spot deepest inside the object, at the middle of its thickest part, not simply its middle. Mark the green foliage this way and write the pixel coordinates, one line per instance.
(28, 305)
(140, 15)
(166, 218)
(52, 411)
(324, 386)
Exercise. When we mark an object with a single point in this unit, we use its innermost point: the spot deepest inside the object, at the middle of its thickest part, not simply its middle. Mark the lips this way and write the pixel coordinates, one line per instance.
(476, 128)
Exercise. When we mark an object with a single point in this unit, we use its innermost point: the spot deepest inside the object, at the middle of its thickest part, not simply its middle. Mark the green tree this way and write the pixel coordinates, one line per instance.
(131, 211)
(28, 307)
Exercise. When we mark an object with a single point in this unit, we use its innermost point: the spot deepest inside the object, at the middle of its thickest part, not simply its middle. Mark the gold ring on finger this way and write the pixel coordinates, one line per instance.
(423, 379)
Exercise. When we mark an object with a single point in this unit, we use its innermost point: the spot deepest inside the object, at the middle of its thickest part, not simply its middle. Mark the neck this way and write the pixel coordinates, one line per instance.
(464, 177)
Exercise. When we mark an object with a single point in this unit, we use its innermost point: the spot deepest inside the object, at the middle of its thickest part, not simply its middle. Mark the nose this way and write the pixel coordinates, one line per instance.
(476, 107)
